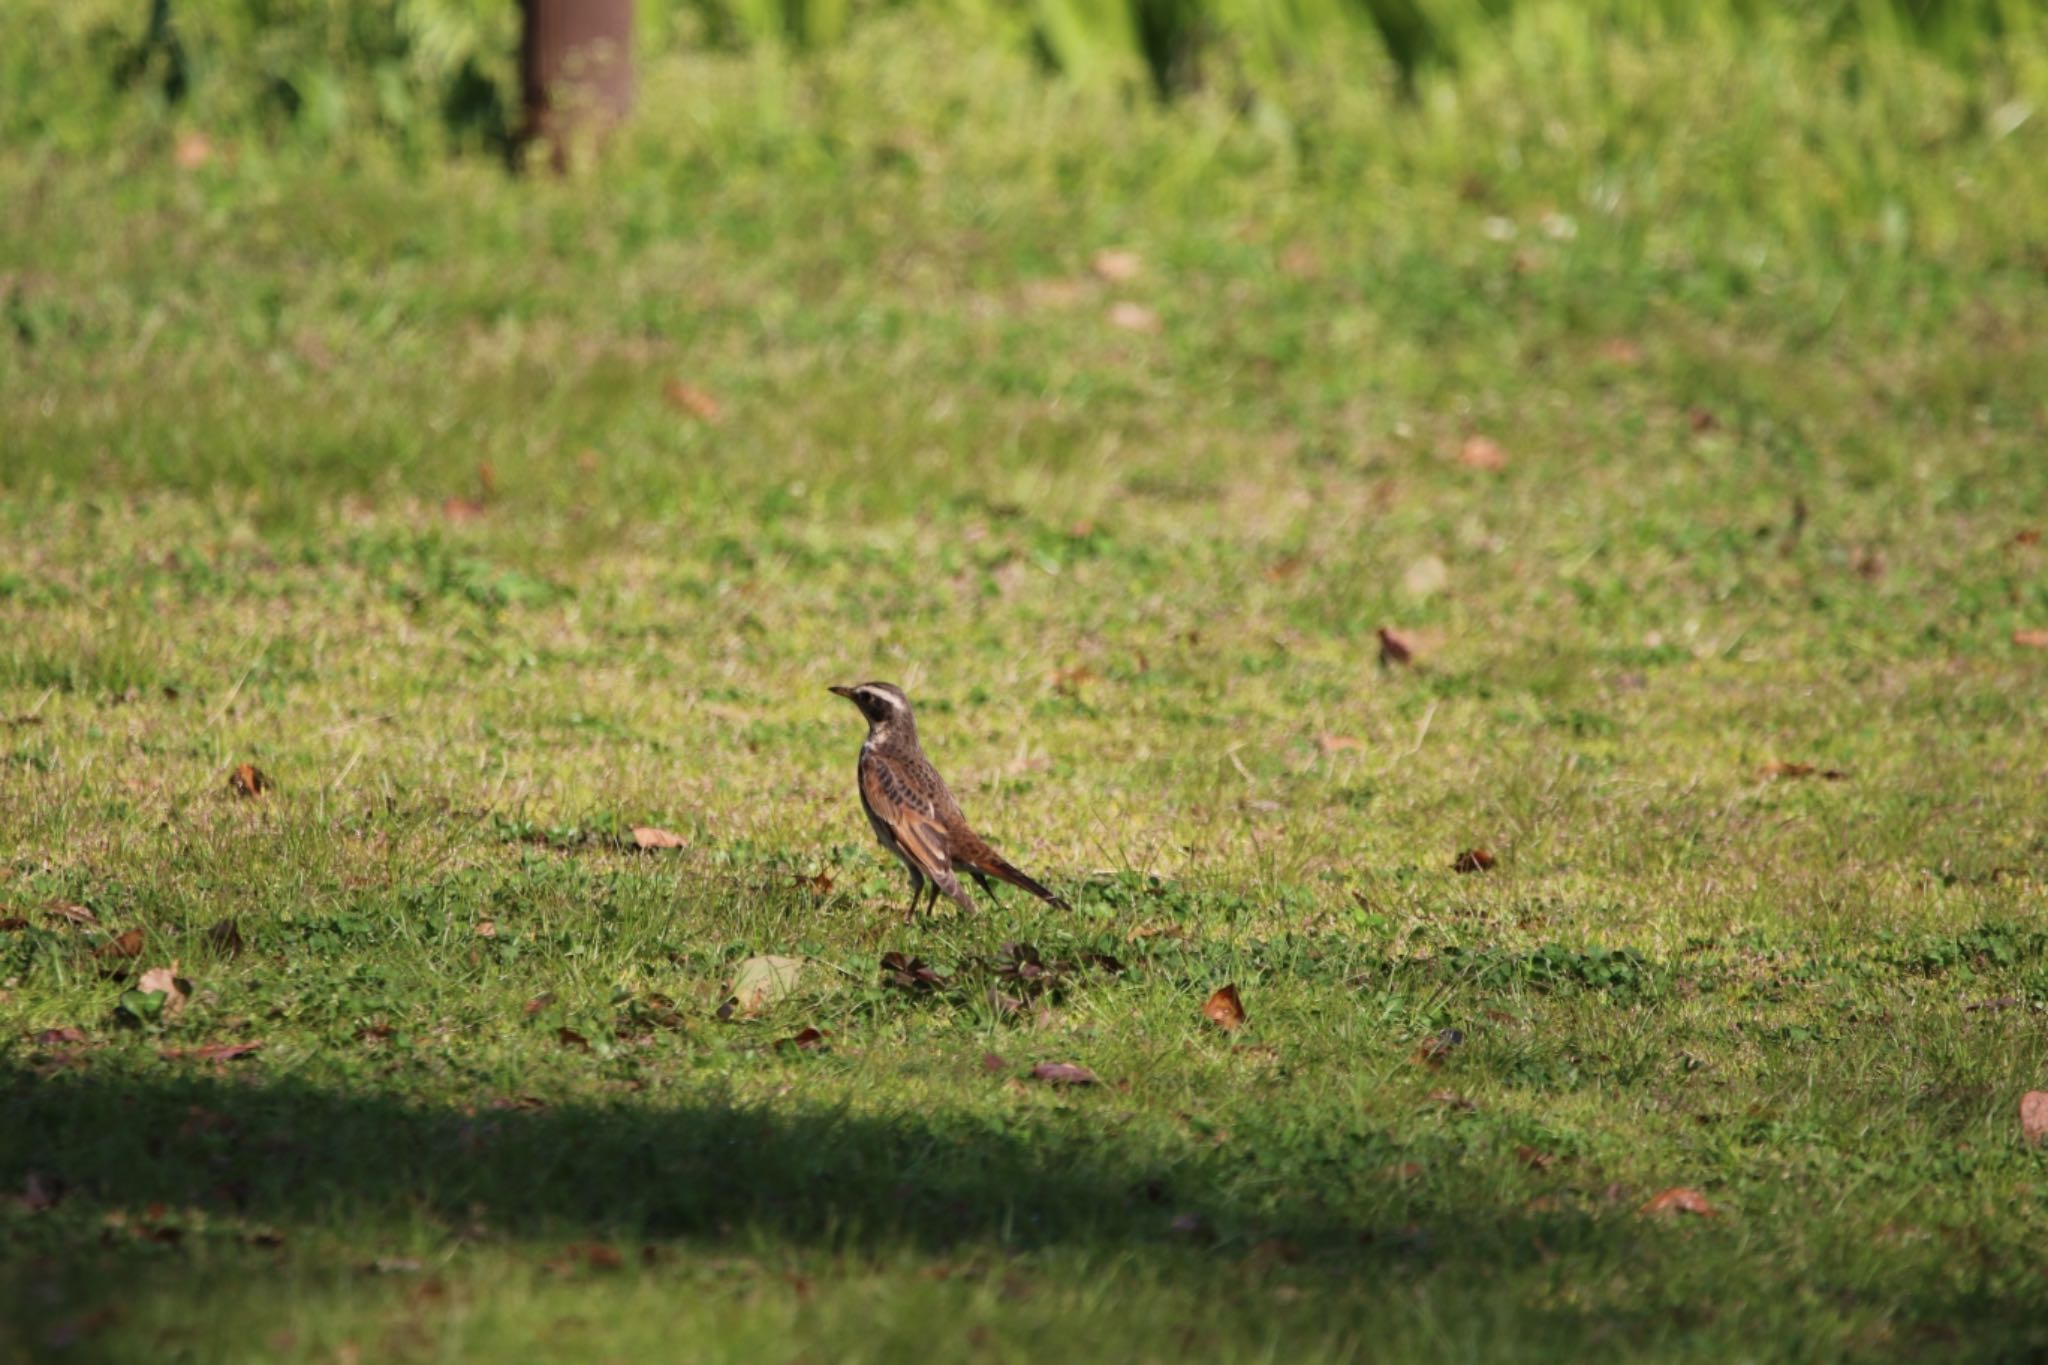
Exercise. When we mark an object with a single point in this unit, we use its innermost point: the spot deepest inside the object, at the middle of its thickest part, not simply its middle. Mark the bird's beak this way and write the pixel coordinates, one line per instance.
(845, 692)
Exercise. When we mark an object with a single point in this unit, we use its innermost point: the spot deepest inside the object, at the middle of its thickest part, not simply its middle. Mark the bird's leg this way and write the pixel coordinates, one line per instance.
(988, 889)
(916, 894)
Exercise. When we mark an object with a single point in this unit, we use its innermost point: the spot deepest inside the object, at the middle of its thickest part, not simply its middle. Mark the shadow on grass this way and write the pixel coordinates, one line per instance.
(152, 1176)
(697, 1168)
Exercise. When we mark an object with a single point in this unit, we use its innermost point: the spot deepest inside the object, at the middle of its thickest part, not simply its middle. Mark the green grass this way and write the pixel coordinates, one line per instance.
(1758, 328)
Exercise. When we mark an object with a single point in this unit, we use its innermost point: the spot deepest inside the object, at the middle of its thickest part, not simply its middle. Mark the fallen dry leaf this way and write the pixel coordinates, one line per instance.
(486, 928)
(759, 982)
(191, 151)
(2031, 639)
(1535, 1158)
(248, 780)
(50, 1036)
(76, 914)
(2030, 536)
(1395, 647)
(1117, 265)
(2034, 1116)
(909, 973)
(1785, 772)
(125, 945)
(648, 837)
(1133, 317)
(539, 1003)
(571, 1039)
(212, 1052)
(1062, 1073)
(804, 1040)
(691, 400)
(1435, 1049)
(1473, 860)
(1701, 421)
(175, 989)
(1426, 577)
(1225, 1009)
(1621, 351)
(1482, 452)
(1331, 744)
(224, 937)
(40, 1193)
(1679, 1199)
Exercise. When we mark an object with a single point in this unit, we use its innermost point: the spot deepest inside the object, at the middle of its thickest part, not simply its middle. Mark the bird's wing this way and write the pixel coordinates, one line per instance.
(910, 815)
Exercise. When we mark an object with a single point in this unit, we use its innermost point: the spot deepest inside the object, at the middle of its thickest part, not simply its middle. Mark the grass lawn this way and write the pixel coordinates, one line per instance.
(1680, 407)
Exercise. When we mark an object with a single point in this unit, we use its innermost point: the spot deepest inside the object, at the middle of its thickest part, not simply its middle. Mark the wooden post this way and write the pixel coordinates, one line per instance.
(575, 70)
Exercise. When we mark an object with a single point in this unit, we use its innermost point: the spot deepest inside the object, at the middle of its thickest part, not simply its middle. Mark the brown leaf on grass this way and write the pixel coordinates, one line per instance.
(1701, 420)
(1117, 265)
(1473, 860)
(571, 1039)
(125, 945)
(1535, 1158)
(2034, 1116)
(1482, 452)
(1134, 317)
(1437, 1048)
(40, 1193)
(10, 924)
(75, 914)
(819, 883)
(1334, 744)
(909, 973)
(212, 1052)
(1395, 647)
(1225, 1009)
(176, 990)
(539, 1003)
(2031, 639)
(992, 1064)
(691, 401)
(49, 1037)
(1283, 568)
(461, 510)
(1680, 1199)
(1300, 261)
(248, 780)
(648, 837)
(1062, 1073)
(1779, 771)
(191, 151)
(2030, 536)
(224, 937)
(486, 928)
(804, 1040)
(1426, 577)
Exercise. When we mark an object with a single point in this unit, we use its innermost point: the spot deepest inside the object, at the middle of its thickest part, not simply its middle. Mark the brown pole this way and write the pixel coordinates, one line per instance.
(575, 70)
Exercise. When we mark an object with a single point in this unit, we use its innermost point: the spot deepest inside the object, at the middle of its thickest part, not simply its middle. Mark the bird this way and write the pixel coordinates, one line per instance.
(913, 814)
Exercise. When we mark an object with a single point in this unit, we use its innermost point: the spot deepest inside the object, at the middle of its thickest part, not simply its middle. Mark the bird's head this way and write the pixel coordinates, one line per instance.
(882, 703)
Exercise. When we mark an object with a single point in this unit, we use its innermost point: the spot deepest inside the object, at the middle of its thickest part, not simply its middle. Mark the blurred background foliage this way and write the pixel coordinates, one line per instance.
(432, 73)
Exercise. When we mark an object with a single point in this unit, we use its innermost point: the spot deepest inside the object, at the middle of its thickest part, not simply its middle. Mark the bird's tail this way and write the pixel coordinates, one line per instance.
(991, 864)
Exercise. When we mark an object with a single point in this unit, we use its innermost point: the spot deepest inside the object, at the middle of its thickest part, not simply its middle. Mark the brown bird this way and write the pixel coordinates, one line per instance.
(914, 815)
